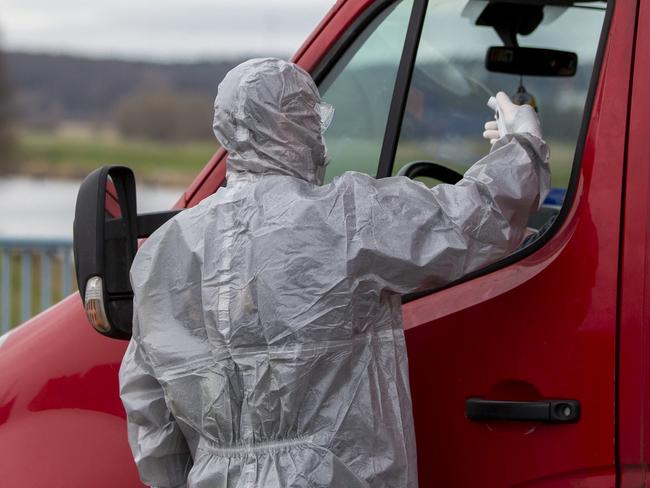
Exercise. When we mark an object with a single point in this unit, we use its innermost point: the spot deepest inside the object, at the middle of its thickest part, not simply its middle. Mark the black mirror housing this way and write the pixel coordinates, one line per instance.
(104, 248)
(106, 231)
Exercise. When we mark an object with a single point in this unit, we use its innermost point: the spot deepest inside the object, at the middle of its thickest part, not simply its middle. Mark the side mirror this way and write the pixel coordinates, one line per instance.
(106, 230)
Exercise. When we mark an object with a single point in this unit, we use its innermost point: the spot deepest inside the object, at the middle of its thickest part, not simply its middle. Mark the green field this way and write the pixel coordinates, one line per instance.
(77, 155)
(363, 156)
(178, 164)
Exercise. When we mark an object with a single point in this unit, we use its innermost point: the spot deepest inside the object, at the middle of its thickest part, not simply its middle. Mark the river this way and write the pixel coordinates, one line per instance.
(44, 208)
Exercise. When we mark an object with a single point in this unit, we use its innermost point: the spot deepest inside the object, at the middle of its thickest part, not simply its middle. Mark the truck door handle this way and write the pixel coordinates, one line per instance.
(549, 411)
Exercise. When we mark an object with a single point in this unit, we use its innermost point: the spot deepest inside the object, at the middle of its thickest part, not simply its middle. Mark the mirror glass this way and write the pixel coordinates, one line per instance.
(531, 61)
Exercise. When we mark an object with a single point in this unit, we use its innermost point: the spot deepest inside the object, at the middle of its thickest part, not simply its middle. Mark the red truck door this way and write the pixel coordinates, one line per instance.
(537, 329)
(633, 380)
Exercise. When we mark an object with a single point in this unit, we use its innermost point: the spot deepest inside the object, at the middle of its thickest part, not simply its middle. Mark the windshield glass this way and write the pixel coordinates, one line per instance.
(446, 107)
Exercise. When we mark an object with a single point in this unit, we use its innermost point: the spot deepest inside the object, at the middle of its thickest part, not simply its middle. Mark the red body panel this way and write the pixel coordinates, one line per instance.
(545, 326)
(634, 381)
(61, 420)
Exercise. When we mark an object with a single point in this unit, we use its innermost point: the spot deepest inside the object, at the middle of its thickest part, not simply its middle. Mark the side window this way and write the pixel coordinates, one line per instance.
(446, 105)
(360, 87)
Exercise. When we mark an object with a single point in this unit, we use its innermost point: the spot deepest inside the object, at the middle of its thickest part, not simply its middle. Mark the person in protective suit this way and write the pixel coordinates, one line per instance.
(268, 347)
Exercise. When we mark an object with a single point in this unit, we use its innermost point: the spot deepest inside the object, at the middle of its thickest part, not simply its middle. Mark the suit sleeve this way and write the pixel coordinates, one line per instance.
(157, 443)
(407, 237)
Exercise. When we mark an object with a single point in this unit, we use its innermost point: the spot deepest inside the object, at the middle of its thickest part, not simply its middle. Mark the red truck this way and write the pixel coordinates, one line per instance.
(530, 372)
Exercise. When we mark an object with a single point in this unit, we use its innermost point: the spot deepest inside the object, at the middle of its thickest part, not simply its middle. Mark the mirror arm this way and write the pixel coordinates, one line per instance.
(508, 36)
(147, 223)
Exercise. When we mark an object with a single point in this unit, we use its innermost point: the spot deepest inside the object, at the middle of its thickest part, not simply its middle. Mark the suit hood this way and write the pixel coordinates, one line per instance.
(268, 116)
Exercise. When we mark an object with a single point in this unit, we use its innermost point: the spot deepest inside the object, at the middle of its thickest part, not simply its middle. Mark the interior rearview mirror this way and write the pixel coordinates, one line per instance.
(531, 61)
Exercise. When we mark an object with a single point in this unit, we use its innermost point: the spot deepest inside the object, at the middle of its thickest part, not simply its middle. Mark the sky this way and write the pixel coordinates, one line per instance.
(162, 30)
(184, 30)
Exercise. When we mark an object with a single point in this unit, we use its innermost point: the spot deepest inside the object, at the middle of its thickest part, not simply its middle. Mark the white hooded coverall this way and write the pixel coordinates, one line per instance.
(268, 348)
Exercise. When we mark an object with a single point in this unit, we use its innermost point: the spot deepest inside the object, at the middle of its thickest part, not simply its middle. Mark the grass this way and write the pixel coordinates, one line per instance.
(76, 155)
(364, 154)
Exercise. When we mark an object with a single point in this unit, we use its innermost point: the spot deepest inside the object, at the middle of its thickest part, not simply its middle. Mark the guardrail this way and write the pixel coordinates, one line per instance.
(34, 273)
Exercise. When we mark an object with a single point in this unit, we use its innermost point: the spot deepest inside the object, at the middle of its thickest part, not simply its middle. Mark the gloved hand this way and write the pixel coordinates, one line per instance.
(510, 119)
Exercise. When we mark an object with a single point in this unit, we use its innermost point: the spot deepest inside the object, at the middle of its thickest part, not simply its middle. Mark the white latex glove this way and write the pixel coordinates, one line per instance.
(510, 119)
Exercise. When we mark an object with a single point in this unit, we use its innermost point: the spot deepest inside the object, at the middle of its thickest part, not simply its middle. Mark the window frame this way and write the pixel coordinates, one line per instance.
(398, 106)
(404, 71)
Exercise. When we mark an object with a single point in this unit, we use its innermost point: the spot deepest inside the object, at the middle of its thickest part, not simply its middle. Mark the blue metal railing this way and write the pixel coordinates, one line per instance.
(20, 288)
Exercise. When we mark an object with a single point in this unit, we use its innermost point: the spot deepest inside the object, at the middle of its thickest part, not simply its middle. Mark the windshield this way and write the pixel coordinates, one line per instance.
(446, 107)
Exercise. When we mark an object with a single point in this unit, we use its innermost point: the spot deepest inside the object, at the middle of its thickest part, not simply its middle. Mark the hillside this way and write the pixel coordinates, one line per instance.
(50, 88)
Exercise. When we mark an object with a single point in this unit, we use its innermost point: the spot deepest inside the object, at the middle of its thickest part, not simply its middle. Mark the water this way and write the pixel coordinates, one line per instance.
(44, 208)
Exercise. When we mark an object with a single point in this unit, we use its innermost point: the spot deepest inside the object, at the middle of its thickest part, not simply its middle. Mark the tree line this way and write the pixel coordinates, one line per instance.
(157, 101)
